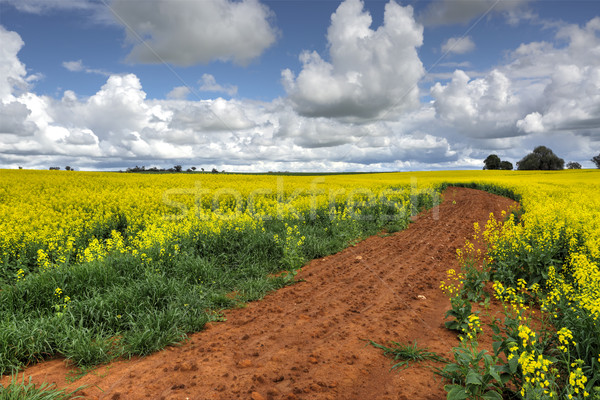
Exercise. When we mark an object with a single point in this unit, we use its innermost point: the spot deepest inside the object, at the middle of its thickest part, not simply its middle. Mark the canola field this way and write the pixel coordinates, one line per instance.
(95, 266)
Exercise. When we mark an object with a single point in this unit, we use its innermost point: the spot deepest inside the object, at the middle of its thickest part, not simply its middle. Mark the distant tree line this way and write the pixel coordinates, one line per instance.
(174, 169)
(542, 158)
(67, 168)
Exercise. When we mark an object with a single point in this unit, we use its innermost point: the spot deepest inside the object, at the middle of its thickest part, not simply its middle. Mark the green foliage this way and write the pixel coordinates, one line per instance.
(475, 374)
(405, 353)
(16, 390)
(542, 158)
(492, 162)
(596, 160)
(460, 311)
(573, 165)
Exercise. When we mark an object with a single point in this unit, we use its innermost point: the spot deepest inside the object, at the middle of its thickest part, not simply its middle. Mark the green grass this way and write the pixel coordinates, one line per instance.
(407, 353)
(16, 390)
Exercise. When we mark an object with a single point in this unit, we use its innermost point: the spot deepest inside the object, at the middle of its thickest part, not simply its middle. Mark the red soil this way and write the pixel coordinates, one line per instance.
(307, 341)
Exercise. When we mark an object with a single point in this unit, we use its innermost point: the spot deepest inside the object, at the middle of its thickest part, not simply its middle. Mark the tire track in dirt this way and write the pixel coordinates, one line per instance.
(307, 341)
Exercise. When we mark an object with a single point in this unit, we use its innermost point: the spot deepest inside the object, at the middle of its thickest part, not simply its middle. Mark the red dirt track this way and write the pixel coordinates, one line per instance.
(307, 341)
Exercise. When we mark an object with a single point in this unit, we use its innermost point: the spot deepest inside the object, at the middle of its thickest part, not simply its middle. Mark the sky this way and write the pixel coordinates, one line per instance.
(296, 85)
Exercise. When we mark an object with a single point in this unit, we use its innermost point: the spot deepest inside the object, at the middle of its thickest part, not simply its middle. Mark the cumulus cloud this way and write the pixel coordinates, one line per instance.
(532, 123)
(13, 119)
(211, 115)
(371, 72)
(195, 32)
(569, 78)
(12, 71)
(118, 127)
(484, 107)
(548, 92)
(209, 84)
(179, 93)
(448, 12)
(459, 45)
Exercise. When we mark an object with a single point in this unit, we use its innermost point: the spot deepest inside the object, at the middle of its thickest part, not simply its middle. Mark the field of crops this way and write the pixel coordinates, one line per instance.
(96, 266)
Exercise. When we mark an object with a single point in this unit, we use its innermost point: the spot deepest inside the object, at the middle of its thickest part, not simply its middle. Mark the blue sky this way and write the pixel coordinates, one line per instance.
(296, 85)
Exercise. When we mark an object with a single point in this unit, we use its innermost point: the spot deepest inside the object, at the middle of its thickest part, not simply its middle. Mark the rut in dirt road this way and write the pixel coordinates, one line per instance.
(308, 341)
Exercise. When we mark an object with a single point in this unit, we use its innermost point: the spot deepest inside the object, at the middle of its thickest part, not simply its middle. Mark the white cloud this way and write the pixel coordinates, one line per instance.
(532, 123)
(179, 93)
(568, 81)
(12, 71)
(211, 115)
(451, 64)
(195, 32)
(42, 6)
(548, 93)
(448, 12)
(95, 10)
(484, 107)
(77, 66)
(371, 72)
(209, 84)
(73, 66)
(508, 111)
(13, 119)
(458, 45)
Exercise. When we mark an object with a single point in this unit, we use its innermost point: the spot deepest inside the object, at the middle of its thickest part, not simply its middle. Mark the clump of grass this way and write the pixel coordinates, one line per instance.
(405, 353)
(28, 391)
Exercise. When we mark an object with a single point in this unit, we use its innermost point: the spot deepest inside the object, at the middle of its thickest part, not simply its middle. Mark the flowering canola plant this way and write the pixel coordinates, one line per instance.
(52, 219)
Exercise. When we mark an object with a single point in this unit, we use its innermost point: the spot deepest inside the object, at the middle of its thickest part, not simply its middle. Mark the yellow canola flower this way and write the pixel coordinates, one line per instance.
(55, 218)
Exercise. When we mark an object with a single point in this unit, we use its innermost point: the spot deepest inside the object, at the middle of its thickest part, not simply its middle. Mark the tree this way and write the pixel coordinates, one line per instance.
(68, 168)
(596, 160)
(492, 162)
(177, 168)
(193, 168)
(506, 165)
(573, 165)
(542, 158)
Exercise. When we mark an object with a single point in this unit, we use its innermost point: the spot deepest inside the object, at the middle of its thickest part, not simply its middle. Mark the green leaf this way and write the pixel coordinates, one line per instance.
(495, 328)
(452, 325)
(491, 395)
(497, 346)
(456, 392)
(473, 378)
(505, 378)
(452, 368)
(495, 374)
(513, 364)
(487, 360)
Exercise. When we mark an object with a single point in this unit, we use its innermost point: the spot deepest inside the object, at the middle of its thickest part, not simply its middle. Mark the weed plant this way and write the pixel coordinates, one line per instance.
(407, 353)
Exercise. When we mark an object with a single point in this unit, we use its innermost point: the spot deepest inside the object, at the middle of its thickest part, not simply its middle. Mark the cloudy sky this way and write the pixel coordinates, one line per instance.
(251, 85)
